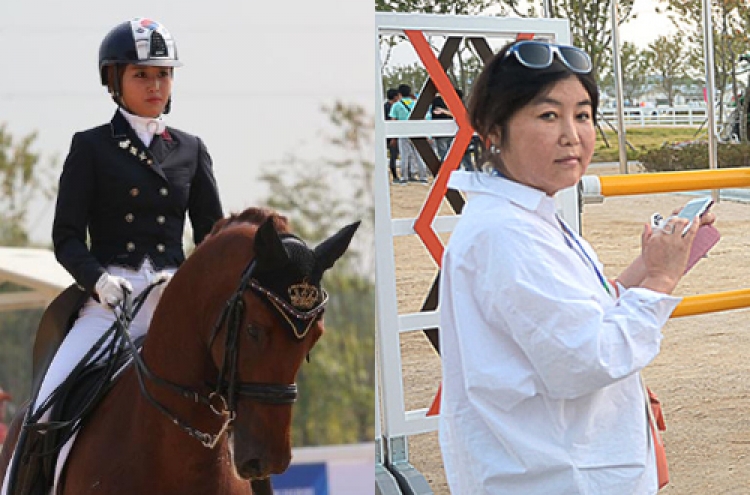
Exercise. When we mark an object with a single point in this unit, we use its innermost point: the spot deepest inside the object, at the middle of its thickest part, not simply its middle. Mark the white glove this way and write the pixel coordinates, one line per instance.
(110, 289)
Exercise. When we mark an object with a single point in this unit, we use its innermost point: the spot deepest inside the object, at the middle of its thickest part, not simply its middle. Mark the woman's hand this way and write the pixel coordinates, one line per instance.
(111, 289)
(635, 274)
(707, 218)
(665, 252)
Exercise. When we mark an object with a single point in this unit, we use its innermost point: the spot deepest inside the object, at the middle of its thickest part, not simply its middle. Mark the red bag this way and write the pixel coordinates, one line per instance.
(656, 420)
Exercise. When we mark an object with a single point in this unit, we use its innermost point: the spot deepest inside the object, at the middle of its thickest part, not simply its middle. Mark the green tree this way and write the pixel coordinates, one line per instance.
(17, 332)
(731, 22)
(22, 179)
(455, 7)
(319, 197)
(414, 75)
(337, 386)
(665, 57)
(590, 24)
(634, 72)
(465, 64)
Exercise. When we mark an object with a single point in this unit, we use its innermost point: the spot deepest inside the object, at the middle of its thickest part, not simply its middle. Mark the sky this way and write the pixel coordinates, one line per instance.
(255, 77)
(647, 24)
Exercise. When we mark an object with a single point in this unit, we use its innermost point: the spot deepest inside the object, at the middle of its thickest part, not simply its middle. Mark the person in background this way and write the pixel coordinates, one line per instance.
(392, 143)
(541, 354)
(409, 155)
(125, 191)
(440, 111)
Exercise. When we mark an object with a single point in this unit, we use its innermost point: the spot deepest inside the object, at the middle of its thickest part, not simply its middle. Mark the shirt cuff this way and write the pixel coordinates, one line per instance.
(659, 305)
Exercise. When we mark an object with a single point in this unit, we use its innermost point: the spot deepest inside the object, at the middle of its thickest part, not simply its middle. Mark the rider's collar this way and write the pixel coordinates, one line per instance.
(145, 127)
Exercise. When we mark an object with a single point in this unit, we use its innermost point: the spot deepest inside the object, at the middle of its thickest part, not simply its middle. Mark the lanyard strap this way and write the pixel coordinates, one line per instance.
(568, 235)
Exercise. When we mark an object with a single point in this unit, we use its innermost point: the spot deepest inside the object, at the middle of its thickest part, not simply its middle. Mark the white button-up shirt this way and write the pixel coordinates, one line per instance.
(541, 386)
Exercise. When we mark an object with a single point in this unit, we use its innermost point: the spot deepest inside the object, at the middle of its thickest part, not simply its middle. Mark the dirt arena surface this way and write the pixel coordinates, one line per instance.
(702, 374)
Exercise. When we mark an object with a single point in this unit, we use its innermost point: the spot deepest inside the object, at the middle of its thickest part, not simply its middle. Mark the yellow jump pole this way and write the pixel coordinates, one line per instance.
(598, 187)
(663, 182)
(711, 303)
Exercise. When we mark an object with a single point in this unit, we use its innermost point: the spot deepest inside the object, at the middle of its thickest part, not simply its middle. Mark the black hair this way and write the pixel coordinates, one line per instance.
(505, 86)
(405, 90)
(392, 93)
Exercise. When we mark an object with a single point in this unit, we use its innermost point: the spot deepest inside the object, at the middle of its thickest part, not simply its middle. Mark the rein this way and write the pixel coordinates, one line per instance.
(223, 400)
(108, 350)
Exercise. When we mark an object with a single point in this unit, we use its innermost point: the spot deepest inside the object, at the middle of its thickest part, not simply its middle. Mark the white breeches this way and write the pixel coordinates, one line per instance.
(93, 321)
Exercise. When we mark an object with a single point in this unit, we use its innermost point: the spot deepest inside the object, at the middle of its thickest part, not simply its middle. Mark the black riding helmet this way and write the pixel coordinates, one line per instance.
(141, 41)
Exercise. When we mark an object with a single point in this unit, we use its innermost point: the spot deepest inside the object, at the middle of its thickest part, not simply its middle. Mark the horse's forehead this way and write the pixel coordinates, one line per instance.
(302, 258)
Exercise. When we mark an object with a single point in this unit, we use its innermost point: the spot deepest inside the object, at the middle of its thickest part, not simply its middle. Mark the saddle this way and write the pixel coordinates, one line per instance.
(54, 326)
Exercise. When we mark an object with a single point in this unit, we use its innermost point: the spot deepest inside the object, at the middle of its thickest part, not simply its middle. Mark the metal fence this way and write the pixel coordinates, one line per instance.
(659, 116)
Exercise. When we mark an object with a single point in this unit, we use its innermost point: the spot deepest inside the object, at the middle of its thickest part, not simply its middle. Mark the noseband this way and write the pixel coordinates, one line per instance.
(223, 400)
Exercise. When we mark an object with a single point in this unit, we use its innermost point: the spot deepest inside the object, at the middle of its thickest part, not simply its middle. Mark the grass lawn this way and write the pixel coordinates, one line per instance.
(642, 139)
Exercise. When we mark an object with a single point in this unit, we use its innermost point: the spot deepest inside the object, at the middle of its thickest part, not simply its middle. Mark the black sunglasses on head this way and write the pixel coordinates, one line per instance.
(540, 54)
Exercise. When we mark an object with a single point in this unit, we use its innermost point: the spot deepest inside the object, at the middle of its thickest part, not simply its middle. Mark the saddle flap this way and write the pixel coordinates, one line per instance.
(53, 327)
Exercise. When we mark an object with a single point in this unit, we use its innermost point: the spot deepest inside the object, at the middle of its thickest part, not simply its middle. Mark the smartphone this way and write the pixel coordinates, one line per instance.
(695, 208)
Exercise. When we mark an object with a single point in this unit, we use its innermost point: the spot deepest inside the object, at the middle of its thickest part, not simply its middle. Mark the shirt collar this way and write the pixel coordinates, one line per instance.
(479, 183)
(145, 127)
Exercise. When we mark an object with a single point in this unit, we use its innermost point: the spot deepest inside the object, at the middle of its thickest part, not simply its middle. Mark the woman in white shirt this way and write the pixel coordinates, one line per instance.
(541, 357)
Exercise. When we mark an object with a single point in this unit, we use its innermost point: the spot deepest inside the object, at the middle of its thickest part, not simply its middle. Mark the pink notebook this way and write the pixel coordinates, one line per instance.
(705, 239)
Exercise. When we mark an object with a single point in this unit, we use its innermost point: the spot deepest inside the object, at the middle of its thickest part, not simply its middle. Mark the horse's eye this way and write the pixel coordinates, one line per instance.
(253, 331)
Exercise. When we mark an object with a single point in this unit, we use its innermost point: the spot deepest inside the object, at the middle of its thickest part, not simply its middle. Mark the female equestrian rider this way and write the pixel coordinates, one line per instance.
(128, 185)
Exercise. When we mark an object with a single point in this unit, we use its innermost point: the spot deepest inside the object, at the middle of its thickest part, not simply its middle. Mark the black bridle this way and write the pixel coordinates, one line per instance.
(223, 400)
(232, 317)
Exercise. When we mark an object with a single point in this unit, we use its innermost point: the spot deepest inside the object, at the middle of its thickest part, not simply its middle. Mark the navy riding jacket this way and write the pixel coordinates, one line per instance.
(120, 202)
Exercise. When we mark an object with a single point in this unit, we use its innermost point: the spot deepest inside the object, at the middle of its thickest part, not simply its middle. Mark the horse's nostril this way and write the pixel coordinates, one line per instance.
(251, 469)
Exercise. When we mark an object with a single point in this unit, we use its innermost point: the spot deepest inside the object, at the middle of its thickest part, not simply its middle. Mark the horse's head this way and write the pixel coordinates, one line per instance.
(267, 326)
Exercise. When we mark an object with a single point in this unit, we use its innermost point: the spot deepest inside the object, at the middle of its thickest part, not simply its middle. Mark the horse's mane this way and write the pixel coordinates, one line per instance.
(254, 216)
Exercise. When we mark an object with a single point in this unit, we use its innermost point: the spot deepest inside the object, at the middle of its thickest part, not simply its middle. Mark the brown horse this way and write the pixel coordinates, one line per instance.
(224, 346)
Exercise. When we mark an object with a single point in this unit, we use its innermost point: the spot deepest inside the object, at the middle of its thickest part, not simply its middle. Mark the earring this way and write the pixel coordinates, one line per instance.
(494, 150)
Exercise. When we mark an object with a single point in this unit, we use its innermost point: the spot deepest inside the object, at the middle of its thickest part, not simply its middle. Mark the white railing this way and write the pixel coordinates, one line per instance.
(659, 116)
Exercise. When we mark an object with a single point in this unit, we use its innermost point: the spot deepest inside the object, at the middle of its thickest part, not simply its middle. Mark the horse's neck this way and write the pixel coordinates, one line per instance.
(175, 350)
(170, 460)
(175, 347)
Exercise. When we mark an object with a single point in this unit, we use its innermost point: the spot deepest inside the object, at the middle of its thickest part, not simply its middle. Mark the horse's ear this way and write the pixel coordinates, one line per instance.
(269, 251)
(328, 251)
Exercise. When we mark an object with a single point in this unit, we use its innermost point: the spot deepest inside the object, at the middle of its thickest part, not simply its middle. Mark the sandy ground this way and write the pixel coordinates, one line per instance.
(701, 374)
